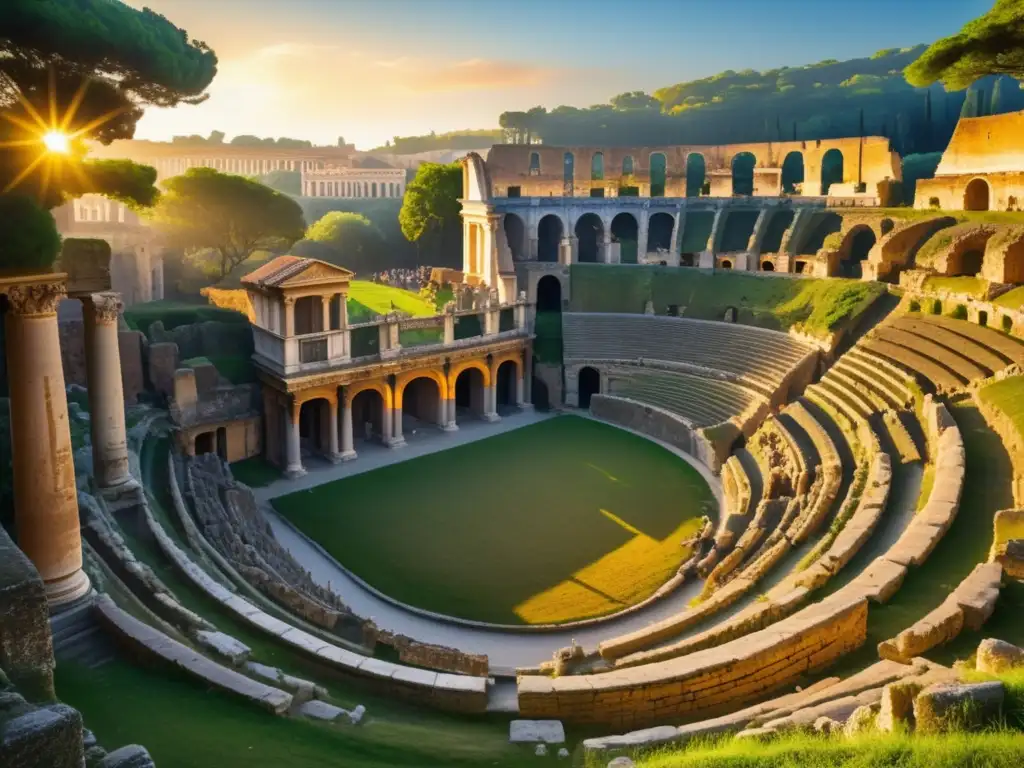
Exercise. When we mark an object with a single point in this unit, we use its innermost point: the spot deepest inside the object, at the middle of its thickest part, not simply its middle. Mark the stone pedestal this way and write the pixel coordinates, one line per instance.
(106, 395)
(45, 498)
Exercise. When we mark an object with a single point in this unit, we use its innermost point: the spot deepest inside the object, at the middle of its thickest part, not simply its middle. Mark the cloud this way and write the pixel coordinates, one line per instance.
(479, 74)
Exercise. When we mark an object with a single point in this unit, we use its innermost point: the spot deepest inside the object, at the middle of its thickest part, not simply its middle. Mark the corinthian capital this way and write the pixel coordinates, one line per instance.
(36, 298)
(106, 306)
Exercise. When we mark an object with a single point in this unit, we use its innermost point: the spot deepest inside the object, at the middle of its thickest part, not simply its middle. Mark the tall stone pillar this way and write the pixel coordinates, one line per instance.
(387, 435)
(348, 451)
(520, 388)
(106, 394)
(528, 378)
(45, 497)
(491, 403)
(448, 406)
(294, 466)
(397, 438)
(333, 455)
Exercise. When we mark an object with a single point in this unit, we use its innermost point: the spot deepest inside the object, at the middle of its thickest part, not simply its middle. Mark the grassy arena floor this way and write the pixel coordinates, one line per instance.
(562, 520)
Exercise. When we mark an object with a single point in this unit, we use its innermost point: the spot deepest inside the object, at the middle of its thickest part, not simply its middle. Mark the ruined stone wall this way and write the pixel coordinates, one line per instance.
(26, 650)
(509, 165)
(656, 423)
(990, 144)
(436, 656)
(708, 682)
(72, 352)
(1006, 191)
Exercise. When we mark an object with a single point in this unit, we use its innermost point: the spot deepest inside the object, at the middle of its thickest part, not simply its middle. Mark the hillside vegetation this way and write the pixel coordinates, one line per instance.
(816, 306)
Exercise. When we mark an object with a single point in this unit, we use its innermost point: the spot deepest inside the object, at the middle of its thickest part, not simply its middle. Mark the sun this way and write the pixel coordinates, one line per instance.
(57, 142)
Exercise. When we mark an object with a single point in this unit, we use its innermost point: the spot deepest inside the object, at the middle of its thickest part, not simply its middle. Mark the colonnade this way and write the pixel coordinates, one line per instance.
(45, 494)
(392, 389)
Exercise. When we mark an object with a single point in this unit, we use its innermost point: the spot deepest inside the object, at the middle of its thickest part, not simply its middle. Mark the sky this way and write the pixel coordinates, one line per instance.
(372, 69)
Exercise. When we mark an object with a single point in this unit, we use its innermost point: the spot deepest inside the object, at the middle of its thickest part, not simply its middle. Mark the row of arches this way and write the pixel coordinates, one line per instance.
(589, 230)
(742, 169)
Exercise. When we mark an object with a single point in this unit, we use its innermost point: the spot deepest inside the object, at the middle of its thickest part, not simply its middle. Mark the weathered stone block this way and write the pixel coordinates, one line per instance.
(131, 756)
(531, 731)
(163, 362)
(996, 656)
(897, 706)
(224, 646)
(50, 737)
(26, 649)
(207, 379)
(957, 705)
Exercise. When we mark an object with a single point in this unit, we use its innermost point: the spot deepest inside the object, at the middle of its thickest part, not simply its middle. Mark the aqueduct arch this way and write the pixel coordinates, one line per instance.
(625, 230)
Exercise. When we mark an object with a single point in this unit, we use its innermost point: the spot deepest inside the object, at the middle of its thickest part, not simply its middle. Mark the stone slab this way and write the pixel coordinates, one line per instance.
(224, 646)
(534, 731)
(321, 710)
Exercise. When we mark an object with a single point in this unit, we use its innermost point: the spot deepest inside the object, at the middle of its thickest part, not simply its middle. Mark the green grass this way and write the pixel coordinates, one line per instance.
(911, 214)
(993, 749)
(366, 299)
(256, 472)
(820, 306)
(1012, 299)
(1007, 396)
(561, 520)
(973, 286)
(184, 725)
(175, 313)
(967, 542)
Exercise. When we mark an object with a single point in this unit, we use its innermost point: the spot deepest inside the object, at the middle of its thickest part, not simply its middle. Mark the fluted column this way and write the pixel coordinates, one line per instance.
(45, 497)
(294, 466)
(106, 392)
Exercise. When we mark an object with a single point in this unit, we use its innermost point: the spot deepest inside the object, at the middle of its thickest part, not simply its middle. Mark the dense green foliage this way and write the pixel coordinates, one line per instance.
(818, 306)
(223, 219)
(430, 211)
(93, 65)
(992, 44)
(288, 182)
(30, 241)
(349, 240)
(430, 547)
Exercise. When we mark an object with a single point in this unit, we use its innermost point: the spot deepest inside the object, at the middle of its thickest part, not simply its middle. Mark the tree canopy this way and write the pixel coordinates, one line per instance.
(431, 200)
(992, 44)
(289, 182)
(86, 69)
(349, 240)
(229, 216)
(30, 240)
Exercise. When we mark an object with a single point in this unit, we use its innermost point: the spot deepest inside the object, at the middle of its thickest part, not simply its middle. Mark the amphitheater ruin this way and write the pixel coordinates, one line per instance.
(855, 434)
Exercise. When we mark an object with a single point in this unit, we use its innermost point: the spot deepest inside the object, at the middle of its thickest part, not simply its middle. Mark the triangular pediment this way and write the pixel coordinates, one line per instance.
(315, 271)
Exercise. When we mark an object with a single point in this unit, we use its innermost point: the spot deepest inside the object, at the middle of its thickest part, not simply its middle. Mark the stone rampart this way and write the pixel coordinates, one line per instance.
(657, 423)
(711, 681)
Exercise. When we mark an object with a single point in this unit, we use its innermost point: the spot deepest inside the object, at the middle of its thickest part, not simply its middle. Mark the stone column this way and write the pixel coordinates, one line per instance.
(491, 403)
(528, 378)
(294, 466)
(606, 248)
(521, 390)
(45, 497)
(386, 428)
(397, 438)
(677, 225)
(333, 455)
(348, 451)
(325, 306)
(106, 394)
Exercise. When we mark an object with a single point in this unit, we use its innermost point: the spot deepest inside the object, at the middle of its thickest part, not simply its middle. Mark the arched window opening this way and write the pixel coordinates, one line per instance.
(658, 174)
(535, 163)
(597, 167)
(568, 174)
(743, 173)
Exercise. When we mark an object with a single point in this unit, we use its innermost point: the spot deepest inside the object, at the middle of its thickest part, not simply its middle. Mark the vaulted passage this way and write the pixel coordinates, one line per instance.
(793, 173)
(624, 231)
(976, 196)
(659, 232)
(696, 171)
(861, 245)
(831, 170)
(589, 235)
(549, 237)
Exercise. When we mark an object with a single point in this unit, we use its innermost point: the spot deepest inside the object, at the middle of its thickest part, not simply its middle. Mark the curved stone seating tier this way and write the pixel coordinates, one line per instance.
(739, 350)
(985, 356)
(964, 369)
(830, 697)
(877, 394)
(968, 607)
(740, 493)
(149, 645)
(452, 692)
(701, 401)
(940, 377)
(830, 472)
(708, 682)
(888, 380)
(1009, 347)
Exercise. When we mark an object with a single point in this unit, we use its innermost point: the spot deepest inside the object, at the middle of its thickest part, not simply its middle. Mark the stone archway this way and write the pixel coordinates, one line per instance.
(696, 174)
(793, 173)
(590, 238)
(420, 403)
(369, 420)
(977, 196)
(857, 247)
(549, 294)
(549, 238)
(315, 426)
(832, 171)
(964, 264)
(588, 384)
(625, 231)
(659, 232)
(743, 173)
(515, 236)
(505, 384)
(470, 392)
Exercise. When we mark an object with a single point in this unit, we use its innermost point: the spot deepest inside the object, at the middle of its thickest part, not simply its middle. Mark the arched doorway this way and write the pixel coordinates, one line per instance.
(505, 387)
(659, 172)
(861, 243)
(315, 426)
(568, 174)
(368, 416)
(977, 196)
(966, 264)
(470, 394)
(743, 173)
(793, 173)
(205, 443)
(421, 405)
(515, 236)
(726, 264)
(549, 238)
(831, 169)
(549, 294)
(659, 232)
(588, 385)
(624, 232)
(767, 266)
(589, 236)
(696, 171)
